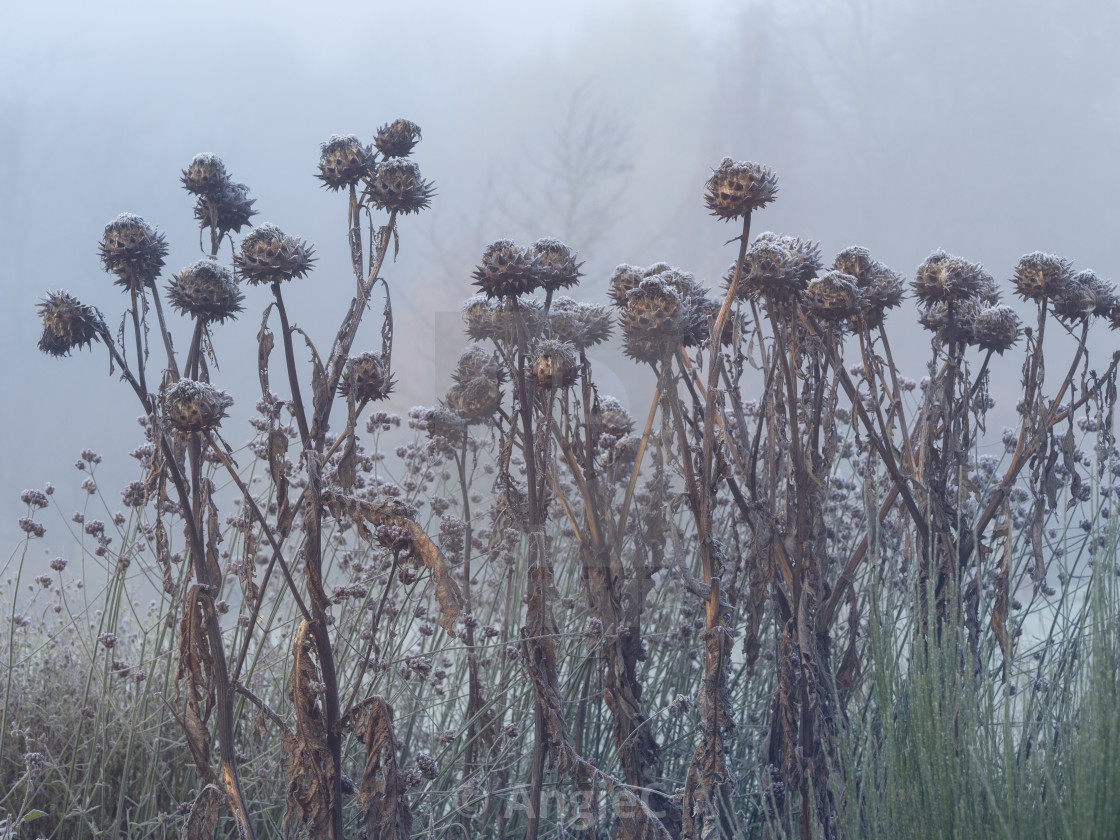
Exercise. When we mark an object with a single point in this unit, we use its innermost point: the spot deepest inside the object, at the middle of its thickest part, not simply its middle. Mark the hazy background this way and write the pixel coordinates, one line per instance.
(989, 129)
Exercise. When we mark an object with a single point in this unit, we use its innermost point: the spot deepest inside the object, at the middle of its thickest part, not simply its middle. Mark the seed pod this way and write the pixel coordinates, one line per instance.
(624, 280)
(366, 378)
(192, 406)
(737, 188)
(1085, 295)
(133, 250)
(769, 271)
(476, 401)
(343, 161)
(856, 262)
(68, 323)
(397, 139)
(883, 291)
(582, 325)
(951, 320)
(230, 208)
(943, 278)
(995, 328)
(396, 185)
(507, 270)
(554, 365)
(804, 256)
(559, 269)
(444, 424)
(610, 418)
(267, 255)
(1040, 276)
(205, 175)
(833, 297)
(653, 321)
(205, 290)
(476, 362)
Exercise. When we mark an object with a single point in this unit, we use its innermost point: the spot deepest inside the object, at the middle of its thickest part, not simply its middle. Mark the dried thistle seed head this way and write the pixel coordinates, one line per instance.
(397, 139)
(191, 406)
(611, 418)
(943, 278)
(855, 261)
(559, 269)
(476, 401)
(366, 378)
(770, 271)
(443, 424)
(396, 186)
(205, 290)
(804, 256)
(621, 455)
(267, 255)
(1085, 295)
(478, 312)
(205, 175)
(653, 321)
(737, 188)
(133, 250)
(507, 270)
(883, 291)
(580, 324)
(343, 161)
(68, 323)
(554, 365)
(624, 280)
(833, 297)
(476, 362)
(952, 320)
(995, 328)
(1040, 276)
(230, 208)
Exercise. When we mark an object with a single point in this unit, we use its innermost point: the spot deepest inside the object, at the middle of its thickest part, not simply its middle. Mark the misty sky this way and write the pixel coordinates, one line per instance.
(985, 128)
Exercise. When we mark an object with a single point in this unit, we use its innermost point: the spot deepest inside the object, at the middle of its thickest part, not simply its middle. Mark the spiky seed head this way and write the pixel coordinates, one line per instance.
(366, 378)
(804, 255)
(619, 456)
(192, 406)
(943, 278)
(995, 328)
(653, 321)
(507, 270)
(396, 139)
(205, 290)
(397, 185)
(1085, 295)
(611, 418)
(833, 297)
(559, 268)
(624, 280)
(1040, 276)
(133, 250)
(951, 320)
(230, 208)
(580, 324)
(267, 255)
(68, 323)
(343, 161)
(883, 291)
(476, 401)
(770, 271)
(499, 321)
(987, 289)
(737, 188)
(554, 365)
(205, 175)
(856, 262)
(441, 423)
(476, 362)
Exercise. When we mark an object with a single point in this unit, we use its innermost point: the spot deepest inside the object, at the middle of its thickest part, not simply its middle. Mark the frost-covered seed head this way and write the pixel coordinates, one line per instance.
(267, 255)
(343, 161)
(943, 278)
(554, 365)
(366, 378)
(68, 323)
(476, 401)
(833, 297)
(624, 280)
(507, 270)
(206, 290)
(1040, 276)
(558, 265)
(995, 328)
(737, 188)
(205, 175)
(230, 208)
(397, 186)
(397, 139)
(133, 250)
(582, 325)
(192, 406)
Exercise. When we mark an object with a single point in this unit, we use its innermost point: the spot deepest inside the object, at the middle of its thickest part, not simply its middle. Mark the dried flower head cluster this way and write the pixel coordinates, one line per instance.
(366, 378)
(223, 205)
(68, 323)
(476, 395)
(206, 290)
(737, 188)
(960, 302)
(880, 287)
(192, 406)
(133, 250)
(267, 255)
(505, 321)
(777, 269)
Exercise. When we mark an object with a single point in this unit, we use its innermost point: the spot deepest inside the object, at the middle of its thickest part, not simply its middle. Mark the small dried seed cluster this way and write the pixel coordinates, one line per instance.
(133, 250)
(192, 406)
(206, 291)
(222, 205)
(68, 323)
(267, 255)
(366, 378)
